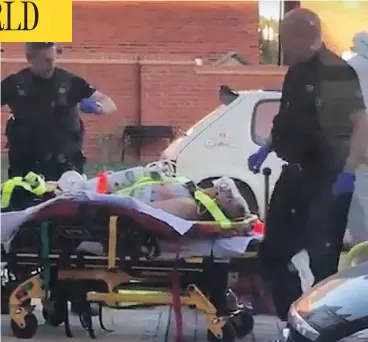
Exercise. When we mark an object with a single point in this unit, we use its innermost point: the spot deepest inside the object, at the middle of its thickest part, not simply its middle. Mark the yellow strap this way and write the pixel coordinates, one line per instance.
(182, 180)
(146, 181)
(8, 188)
(213, 209)
(31, 182)
(37, 183)
(138, 184)
(113, 222)
(209, 204)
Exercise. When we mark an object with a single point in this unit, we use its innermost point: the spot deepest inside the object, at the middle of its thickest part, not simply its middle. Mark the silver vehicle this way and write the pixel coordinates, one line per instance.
(335, 310)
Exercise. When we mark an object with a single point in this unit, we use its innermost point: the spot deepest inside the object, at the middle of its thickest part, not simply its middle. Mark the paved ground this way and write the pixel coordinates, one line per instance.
(141, 325)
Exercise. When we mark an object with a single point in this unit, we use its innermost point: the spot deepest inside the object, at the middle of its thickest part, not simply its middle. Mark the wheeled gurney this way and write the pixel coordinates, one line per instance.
(98, 244)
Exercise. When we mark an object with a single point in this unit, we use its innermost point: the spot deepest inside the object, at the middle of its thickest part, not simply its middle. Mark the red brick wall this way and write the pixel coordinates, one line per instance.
(173, 90)
(190, 29)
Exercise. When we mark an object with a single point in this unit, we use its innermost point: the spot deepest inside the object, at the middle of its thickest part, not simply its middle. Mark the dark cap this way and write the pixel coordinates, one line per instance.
(39, 45)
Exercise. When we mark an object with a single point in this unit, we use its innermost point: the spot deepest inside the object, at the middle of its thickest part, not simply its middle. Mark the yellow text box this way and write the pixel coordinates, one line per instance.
(36, 21)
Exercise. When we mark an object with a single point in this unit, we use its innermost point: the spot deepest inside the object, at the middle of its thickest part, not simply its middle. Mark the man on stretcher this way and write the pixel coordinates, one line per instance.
(175, 195)
(189, 202)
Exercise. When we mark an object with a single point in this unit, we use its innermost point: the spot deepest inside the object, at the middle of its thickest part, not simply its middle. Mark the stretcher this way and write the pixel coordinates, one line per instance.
(103, 246)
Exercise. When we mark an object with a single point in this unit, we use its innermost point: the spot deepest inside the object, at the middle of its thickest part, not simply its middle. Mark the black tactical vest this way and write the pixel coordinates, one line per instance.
(313, 126)
(296, 128)
(44, 120)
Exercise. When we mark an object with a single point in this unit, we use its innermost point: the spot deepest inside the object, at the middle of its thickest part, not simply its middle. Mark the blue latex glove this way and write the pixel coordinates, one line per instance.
(256, 160)
(344, 184)
(89, 106)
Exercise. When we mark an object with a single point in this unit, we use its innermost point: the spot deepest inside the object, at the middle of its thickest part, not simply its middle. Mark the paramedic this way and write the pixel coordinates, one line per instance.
(44, 132)
(320, 131)
(358, 214)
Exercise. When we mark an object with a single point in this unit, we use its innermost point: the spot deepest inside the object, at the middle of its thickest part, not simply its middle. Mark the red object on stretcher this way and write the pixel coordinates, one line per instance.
(102, 183)
(259, 227)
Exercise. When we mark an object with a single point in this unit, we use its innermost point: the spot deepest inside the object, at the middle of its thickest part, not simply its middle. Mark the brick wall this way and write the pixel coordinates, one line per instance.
(189, 29)
(167, 88)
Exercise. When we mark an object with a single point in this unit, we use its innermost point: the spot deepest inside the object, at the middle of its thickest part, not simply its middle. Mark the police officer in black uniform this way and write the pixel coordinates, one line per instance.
(44, 132)
(321, 132)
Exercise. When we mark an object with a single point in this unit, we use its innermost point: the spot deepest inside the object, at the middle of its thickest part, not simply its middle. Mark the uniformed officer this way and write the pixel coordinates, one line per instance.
(321, 131)
(45, 133)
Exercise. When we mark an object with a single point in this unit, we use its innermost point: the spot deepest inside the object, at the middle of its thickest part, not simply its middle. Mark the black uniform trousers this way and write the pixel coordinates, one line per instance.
(303, 214)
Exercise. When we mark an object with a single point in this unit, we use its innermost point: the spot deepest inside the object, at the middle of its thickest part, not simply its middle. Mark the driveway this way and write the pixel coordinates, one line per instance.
(156, 325)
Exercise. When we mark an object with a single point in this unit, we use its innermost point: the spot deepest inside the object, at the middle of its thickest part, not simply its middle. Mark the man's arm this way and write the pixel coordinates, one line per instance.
(6, 90)
(268, 142)
(282, 108)
(359, 140)
(359, 117)
(83, 90)
(106, 104)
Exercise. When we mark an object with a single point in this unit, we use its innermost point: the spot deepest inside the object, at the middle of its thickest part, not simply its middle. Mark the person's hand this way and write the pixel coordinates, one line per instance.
(90, 106)
(344, 183)
(256, 160)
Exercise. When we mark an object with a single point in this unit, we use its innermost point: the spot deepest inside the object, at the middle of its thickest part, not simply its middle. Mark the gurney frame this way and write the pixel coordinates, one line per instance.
(51, 286)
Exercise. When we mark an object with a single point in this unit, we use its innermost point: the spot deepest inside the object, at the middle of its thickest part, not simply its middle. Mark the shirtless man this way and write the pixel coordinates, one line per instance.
(167, 193)
(227, 199)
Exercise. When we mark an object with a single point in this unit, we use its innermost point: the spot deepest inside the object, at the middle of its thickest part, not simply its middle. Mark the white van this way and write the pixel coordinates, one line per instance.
(220, 143)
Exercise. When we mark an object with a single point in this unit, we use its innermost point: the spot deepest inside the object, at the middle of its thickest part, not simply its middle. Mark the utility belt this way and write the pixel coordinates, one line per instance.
(28, 137)
(37, 159)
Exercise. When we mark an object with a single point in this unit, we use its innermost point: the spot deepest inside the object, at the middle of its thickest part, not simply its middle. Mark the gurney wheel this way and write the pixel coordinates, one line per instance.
(243, 324)
(228, 334)
(55, 319)
(28, 331)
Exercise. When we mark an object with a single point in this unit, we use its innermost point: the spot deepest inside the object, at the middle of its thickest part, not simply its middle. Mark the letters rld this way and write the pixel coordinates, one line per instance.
(6, 19)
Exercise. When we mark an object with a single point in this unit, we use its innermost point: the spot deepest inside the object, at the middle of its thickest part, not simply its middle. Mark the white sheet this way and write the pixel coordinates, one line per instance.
(229, 247)
(11, 221)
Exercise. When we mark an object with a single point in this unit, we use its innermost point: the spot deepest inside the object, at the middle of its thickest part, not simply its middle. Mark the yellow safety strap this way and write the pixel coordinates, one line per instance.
(31, 182)
(213, 209)
(148, 180)
(138, 184)
(8, 187)
(37, 183)
(182, 180)
(209, 203)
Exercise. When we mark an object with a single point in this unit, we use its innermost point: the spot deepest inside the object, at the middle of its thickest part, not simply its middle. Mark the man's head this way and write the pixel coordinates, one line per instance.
(300, 35)
(230, 199)
(233, 209)
(41, 57)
